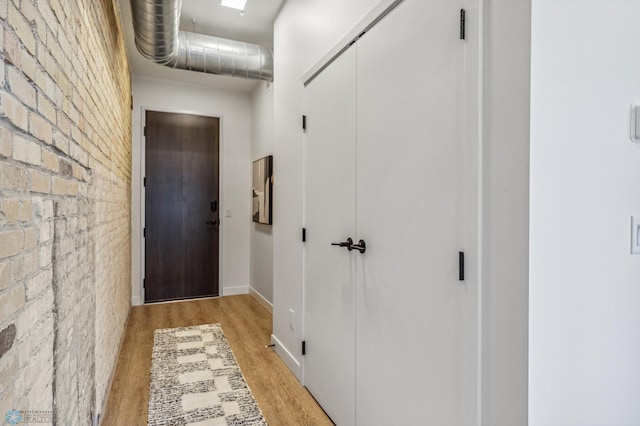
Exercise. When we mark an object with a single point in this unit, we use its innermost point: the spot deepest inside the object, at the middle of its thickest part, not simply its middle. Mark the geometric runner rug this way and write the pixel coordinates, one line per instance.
(195, 380)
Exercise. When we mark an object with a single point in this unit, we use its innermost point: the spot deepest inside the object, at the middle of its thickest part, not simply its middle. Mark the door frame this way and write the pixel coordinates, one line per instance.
(140, 170)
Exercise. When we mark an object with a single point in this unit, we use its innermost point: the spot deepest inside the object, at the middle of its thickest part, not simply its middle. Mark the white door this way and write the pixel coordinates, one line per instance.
(410, 322)
(329, 369)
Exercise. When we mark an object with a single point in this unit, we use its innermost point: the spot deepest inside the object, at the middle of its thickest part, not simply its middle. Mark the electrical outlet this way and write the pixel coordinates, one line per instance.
(291, 318)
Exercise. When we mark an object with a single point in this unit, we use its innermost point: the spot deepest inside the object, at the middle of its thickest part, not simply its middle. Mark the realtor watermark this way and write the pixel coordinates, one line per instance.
(15, 417)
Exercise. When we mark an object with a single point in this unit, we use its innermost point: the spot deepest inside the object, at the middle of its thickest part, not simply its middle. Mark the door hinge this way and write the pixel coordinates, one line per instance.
(144, 181)
(145, 131)
(131, 102)
(304, 347)
(144, 232)
(304, 235)
(461, 266)
(304, 122)
(462, 24)
(144, 283)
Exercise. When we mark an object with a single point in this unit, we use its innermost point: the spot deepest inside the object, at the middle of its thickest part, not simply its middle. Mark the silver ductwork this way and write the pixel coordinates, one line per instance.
(157, 37)
(214, 55)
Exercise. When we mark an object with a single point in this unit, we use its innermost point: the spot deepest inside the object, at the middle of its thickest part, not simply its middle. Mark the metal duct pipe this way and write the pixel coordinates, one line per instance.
(157, 37)
(214, 55)
(156, 25)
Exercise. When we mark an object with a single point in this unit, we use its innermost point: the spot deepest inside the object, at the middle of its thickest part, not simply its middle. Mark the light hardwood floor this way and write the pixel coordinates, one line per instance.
(247, 326)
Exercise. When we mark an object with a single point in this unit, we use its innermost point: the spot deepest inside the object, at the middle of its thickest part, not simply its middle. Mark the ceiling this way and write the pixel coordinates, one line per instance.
(255, 26)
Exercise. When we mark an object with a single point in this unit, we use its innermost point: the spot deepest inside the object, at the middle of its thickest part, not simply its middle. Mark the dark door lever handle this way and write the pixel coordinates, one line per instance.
(361, 246)
(211, 222)
(346, 244)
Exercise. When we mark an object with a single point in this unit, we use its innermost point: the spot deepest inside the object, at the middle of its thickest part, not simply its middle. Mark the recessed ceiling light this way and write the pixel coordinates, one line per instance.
(234, 4)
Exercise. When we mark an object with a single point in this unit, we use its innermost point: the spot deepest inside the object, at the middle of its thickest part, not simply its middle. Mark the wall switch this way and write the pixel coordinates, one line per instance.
(635, 123)
(635, 234)
(227, 212)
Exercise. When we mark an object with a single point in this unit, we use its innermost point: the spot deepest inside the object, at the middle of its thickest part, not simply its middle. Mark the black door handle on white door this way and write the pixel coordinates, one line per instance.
(361, 246)
(346, 244)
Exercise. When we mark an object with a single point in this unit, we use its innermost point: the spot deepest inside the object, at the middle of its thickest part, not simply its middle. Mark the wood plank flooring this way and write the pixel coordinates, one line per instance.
(247, 326)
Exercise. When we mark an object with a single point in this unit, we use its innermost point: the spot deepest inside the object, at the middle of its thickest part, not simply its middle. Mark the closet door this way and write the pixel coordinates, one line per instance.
(410, 325)
(329, 370)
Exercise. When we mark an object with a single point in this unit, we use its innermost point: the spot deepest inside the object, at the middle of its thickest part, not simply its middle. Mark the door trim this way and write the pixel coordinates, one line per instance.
(138, 215)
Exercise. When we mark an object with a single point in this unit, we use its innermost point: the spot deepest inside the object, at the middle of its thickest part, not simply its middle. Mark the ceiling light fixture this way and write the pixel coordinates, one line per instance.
(234, 4)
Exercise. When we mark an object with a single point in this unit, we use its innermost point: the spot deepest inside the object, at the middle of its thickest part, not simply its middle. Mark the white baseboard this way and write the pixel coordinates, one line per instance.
(135, 301)
(261, 300)
(286, 356)
(232, 291)
(181, 300)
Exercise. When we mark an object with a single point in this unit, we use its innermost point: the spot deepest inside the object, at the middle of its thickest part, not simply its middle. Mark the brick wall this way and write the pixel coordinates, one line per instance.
(65, 185)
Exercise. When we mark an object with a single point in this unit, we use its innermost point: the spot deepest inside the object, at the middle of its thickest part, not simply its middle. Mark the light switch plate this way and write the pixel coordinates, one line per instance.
(635, 234)
(227, 212)
(635, 123)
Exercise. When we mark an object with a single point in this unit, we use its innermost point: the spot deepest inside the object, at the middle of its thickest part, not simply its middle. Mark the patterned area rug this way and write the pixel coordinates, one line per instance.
(195, 380)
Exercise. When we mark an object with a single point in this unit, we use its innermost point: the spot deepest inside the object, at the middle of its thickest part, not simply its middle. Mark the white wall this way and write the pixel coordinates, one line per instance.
(261, 235)
(304, 32)
(585, 285)
(505, 211)
(234, 110)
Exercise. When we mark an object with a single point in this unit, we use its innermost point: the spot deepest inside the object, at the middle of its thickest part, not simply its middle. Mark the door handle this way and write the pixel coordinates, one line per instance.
(346, 244)
(211, 222)
(361, 246)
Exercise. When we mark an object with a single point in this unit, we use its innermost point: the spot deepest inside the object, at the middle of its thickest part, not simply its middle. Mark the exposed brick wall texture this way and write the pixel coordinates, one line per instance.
(65, 186)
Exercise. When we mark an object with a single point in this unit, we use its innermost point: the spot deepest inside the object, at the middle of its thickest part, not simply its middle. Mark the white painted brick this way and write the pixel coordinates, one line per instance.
(11, 209)
(39, 338)
(40, 128)
(8, 369)
(12, 243)
(3, 15)
(30, 238)
(26, 211)
(24, 265)
(61, 142)
(5, 275)
(58, 186)
(40, 182)
(22, 29)
(10, 302)
(45, 232)
(14, 110)
(28, 65)
(11, 48)
(33, 311)
(26, 150)
(6, 142)
(82, 96)
(47, 209)
(21, 88)
(45, 256)
(37, 284)
(46, 108)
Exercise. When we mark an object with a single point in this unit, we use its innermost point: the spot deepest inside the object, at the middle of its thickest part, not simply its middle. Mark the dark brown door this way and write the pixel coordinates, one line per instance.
(181, 206)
